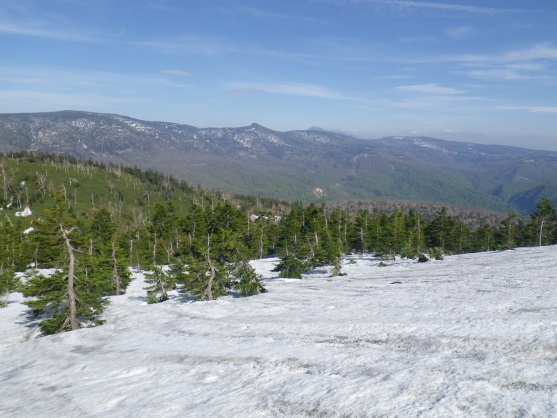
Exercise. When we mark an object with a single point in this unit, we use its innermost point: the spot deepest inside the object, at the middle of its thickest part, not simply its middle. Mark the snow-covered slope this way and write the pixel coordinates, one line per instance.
(472, 335)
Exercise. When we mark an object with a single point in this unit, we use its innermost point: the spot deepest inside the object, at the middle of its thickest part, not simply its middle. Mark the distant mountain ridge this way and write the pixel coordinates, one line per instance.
(303, 165)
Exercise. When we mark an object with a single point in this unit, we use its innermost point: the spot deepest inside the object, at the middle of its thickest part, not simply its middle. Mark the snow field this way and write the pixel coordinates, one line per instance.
(472, 335)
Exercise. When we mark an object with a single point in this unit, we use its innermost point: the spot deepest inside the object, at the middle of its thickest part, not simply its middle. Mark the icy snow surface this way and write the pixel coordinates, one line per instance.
(472, 335)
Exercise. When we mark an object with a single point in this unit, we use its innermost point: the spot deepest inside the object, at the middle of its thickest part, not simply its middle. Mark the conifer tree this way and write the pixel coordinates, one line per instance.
(247, 281)
(445, 232)
(160, 283)
(163, 230)
(483, 239)
(291, 247)
(8, 283)
(70, 298)
(206, 277)
(544, 219)
(106, 259)
(291, 266)
(360, 230)
(506, 235)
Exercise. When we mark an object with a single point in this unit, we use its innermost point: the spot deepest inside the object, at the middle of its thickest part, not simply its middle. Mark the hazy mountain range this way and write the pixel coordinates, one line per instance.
(300, 165)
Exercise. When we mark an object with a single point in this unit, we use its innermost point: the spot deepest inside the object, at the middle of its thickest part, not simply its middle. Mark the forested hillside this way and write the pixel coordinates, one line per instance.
(92, 222)
(305, 165)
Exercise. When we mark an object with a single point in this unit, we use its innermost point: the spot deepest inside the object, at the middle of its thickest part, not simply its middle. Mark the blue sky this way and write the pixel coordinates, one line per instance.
(481, 71)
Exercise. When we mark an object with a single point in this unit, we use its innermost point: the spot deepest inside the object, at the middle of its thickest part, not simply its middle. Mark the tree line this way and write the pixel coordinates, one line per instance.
(204, 251)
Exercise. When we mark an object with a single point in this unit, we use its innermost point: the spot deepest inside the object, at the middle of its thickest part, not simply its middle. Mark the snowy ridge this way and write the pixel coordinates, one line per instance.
(472, 335)
(344, 166)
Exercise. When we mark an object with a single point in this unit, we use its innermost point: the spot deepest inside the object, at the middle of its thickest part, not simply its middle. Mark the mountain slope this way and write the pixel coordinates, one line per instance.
(354, 346)
(299, 165)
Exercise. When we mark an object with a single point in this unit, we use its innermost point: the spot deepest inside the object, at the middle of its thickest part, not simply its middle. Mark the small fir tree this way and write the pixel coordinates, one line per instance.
(8, 283)
(247, 281)
(291, 266)
(71, 298)
(160, 283)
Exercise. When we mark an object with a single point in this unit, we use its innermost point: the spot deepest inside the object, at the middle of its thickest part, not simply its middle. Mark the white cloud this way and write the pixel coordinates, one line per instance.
(292, 89)
(522, 64)
(412, 5)
(504, 73)
(178, 73)
(244, 92)
(461, 32)
(41, 31)
(541, 51)
(263, 14)
(430, 88)
(531, 109)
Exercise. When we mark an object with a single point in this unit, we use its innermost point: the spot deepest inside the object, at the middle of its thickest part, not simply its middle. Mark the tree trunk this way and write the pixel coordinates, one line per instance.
(541, 233)
(115, 274)
(212, 272)
(161, 284)
(72, 300)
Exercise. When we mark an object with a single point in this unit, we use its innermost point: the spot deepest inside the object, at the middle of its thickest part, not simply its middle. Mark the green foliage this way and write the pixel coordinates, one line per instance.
(207, 279)
(113, 217)
(73, 296)
(8, 283)
(246, 280)
(544, 221)
(50, 301)
(436, 253)
(160, 284)
(337, 269)
(292, 267)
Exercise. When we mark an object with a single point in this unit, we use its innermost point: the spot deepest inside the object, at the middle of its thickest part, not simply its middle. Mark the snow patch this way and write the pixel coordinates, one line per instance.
(24, 213)
(432, 345)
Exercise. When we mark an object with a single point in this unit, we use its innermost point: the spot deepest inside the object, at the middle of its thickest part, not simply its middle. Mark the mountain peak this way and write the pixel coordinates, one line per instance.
(291, 165)
(317, 128)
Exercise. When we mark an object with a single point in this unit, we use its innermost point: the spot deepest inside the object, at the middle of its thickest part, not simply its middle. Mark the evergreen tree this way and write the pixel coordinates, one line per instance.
(164, 230)
(8, 283)
(506, 235)
(160, 283)
(360, 230)
(544, 219)
(107, 261)
(447, 233)
(247, 281)
(70, 298)
(206, 277)
(291, 266)
(484, 239)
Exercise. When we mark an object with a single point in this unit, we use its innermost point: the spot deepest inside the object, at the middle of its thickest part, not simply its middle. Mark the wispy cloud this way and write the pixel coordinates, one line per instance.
(504, 73)
(46, 88)
(521, 64)
(214, 46)
(461, 32)
(292, 89)
(430, 88)
(408, 4)
(41, 30)
(244, 91)
(196, 44)
(531, 109)
(414, 5)
(541, 51)
(38, 20)
(33, 100)
(178, 73)
(264, 14)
